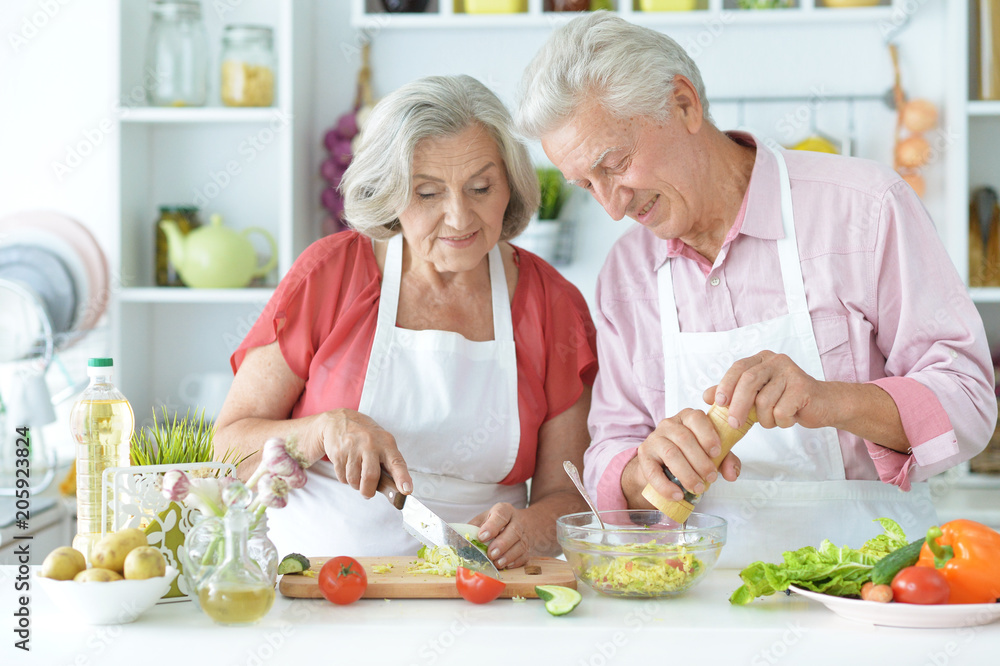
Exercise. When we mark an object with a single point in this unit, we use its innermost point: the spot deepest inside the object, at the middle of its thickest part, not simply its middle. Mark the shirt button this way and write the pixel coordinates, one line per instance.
(954, 354)
(715, 282)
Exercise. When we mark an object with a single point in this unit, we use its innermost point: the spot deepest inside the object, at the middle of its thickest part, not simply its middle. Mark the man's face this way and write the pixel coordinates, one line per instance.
(636, 167)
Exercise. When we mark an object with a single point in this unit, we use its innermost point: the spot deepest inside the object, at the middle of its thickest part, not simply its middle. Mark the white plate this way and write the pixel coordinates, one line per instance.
(913, 616)
(76, 246)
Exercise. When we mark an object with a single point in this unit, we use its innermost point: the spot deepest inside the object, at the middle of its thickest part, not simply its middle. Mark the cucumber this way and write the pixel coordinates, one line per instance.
(293, 563)
(558, 600)
(886, 569)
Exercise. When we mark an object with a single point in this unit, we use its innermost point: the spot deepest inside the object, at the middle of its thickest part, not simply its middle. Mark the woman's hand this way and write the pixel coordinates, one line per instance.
(359, 447)
(504, 524)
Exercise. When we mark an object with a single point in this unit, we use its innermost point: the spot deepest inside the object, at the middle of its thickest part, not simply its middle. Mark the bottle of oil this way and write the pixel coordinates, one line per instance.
(102, 423)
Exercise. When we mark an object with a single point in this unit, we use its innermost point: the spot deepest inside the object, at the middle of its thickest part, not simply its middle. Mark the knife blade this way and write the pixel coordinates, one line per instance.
(431, 530)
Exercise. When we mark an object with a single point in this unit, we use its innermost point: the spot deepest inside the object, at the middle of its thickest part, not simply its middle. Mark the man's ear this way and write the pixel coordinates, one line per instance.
(687, 103)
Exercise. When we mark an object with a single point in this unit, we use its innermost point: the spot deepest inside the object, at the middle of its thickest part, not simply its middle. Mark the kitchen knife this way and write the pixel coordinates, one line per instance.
(431, 530)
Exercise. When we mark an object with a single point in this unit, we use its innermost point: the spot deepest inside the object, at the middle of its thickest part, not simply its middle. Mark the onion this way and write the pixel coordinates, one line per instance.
(916, 181)
(331, 138)
(913, 151)
(331, 171)
(919, 116)
(341, 151)
(331, 200)
(347, 125)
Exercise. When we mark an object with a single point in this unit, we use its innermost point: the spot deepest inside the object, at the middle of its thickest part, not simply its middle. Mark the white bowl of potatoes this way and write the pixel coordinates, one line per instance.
(127, 578)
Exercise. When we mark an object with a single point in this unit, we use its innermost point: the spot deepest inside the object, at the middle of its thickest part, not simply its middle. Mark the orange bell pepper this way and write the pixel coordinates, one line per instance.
(968, 554)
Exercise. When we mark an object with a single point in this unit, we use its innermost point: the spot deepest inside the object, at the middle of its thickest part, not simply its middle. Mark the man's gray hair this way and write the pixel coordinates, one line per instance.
(626, 68)
(377, 186)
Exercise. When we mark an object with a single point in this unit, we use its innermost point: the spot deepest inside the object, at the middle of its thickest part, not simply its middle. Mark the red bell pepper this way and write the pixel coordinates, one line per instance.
(968, 554)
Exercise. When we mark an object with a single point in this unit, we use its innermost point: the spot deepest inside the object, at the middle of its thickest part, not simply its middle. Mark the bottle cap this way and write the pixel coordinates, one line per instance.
(100, 363)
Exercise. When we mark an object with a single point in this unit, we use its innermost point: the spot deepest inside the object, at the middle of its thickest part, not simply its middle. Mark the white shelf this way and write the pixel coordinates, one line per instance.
(535, 17)
(985, 294)
(184, 295)
(219, 114)
(984, 108)
(251, 165)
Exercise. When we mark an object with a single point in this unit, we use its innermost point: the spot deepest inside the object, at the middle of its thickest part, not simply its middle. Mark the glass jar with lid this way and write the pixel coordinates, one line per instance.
(177, 55)
(248, 65)
(187, 220)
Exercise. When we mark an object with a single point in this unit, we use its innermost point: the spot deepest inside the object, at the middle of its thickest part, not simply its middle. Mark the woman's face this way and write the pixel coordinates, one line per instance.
(458, 200)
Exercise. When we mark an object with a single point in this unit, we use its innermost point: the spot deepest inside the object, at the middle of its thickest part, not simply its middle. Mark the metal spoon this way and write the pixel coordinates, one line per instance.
(575, 478)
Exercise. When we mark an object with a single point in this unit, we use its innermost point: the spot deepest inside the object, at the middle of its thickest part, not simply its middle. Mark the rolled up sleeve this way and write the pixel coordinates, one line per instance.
(938, 366)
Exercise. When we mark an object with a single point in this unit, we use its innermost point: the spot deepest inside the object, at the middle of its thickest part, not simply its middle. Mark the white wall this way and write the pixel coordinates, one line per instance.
(57, 68)
(56, 90)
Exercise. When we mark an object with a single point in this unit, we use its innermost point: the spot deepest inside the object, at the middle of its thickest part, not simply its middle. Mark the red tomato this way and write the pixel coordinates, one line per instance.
(920, 585)
(478, 587)
(342, 580)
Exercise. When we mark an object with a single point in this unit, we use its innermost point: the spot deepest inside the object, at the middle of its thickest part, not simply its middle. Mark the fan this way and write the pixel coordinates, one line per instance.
(53, 290)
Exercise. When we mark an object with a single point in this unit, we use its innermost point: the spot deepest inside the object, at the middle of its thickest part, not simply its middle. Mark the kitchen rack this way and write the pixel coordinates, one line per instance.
(165, 156)
(370, 15)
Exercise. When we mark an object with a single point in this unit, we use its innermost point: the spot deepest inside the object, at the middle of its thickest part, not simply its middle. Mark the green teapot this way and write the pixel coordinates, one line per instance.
(215, 256)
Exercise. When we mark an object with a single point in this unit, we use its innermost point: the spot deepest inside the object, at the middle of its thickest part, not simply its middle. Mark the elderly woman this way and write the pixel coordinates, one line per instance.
(424, 343)
(811, 287)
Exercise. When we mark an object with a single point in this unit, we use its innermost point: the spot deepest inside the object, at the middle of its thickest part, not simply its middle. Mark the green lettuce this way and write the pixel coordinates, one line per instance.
(828, 569)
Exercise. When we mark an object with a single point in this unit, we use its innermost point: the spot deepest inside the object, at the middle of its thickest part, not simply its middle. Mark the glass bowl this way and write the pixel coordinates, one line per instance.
(115, 602)
(641, 553)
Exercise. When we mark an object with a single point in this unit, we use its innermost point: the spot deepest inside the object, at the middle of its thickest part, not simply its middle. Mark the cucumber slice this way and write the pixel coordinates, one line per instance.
(558, 600)
(293, 563)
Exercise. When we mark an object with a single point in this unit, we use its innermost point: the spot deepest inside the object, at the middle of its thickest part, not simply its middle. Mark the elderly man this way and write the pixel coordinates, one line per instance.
(810, 287)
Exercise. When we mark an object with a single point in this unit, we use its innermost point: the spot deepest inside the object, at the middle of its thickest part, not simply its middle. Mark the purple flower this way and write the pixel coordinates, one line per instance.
(272, 492)
(296, 479)
(176, 485)
(206, 496)
(276, 458)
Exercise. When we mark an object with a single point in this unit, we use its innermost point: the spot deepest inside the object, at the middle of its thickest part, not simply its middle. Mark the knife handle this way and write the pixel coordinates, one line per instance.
(387, 487)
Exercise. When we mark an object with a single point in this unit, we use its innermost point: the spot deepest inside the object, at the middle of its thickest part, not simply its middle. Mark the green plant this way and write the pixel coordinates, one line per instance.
(177, 440)
(554, 193)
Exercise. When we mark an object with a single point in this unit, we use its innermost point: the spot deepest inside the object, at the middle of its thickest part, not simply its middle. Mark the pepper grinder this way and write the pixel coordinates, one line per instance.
(680, 510)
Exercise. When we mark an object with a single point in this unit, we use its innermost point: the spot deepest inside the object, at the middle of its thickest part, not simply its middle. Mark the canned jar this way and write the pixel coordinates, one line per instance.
(248, 65)
(187, 220)
(177, 55)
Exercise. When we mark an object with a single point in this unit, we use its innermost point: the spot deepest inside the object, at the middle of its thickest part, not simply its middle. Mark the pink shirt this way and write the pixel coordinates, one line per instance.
(323, 315)
(887, 307)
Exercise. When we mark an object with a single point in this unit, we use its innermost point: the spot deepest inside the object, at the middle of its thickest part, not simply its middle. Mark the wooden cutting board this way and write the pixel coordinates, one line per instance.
(397, 584)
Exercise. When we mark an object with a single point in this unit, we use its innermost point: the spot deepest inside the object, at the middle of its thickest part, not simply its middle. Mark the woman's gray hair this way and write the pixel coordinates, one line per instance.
(377, 186)
(628, 69)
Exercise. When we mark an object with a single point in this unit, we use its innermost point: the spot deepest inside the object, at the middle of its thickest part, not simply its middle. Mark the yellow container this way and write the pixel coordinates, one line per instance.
(667, 5)
(850, 3)
(496, 6)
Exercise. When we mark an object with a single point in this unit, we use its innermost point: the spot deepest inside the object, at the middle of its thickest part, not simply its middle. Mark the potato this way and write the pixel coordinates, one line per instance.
(111, 551)
(97, 575)
(63, 563)
(145, 562)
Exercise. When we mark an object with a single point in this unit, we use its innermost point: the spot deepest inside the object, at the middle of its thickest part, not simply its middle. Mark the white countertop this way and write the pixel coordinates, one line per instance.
(701, 626)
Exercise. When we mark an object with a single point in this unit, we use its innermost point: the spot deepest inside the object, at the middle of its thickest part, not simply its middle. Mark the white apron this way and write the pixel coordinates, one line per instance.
(450, 403)
(791, 491)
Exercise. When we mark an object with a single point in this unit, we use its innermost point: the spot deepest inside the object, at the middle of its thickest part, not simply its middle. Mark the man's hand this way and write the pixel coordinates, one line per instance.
(685, 444)
(782, 392)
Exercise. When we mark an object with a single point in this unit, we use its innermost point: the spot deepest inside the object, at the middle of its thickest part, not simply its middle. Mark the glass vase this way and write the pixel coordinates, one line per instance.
(205, 550)
(238, 590)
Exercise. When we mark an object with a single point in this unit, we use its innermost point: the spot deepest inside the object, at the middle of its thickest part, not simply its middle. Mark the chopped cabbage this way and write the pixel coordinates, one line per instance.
(437, 561)
(667, 568)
